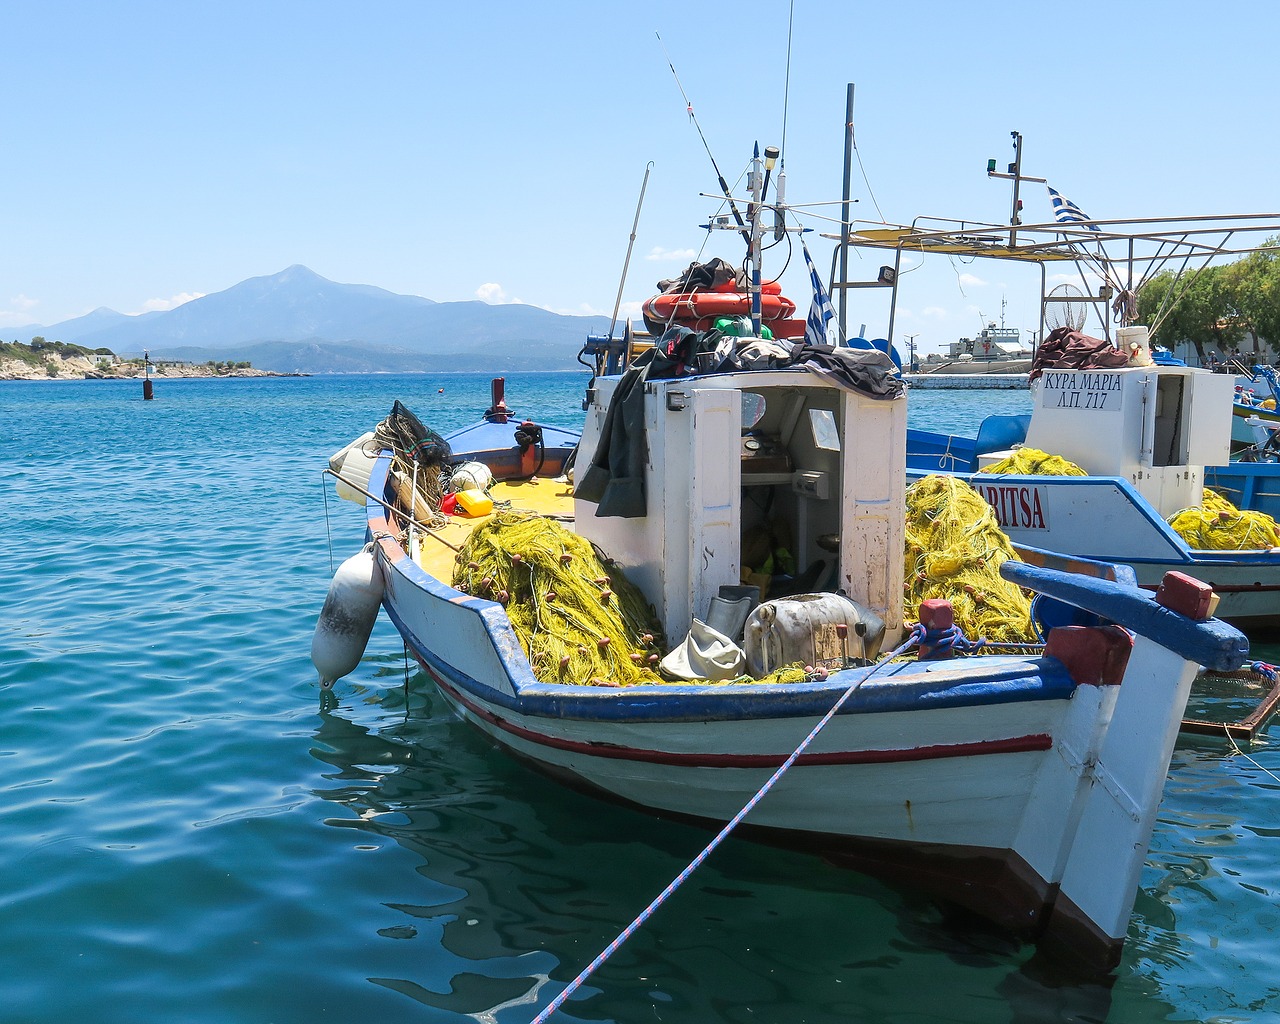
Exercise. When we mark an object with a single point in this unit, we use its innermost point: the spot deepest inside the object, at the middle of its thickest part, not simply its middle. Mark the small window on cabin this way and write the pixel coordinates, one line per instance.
(823, 424)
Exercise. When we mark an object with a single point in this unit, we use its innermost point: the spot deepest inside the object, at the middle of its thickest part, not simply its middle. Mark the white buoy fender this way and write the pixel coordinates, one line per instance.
(469, 476)
(347, 618)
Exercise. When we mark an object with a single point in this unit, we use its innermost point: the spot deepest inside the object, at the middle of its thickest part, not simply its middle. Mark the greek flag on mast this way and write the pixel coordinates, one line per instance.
(1066, 212)
(821, 326)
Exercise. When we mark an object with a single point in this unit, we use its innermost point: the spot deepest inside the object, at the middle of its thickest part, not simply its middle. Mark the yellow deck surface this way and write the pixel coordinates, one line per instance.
(545, 496)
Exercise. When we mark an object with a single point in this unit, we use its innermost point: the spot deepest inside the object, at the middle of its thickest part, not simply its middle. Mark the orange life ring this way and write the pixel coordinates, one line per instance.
(700, 310)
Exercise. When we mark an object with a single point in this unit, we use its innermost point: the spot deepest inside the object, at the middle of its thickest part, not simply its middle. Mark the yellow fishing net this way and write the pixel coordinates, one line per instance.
(577, 617)
(1217, 525)
(579, 620)
(1033, 462)
(954, 549)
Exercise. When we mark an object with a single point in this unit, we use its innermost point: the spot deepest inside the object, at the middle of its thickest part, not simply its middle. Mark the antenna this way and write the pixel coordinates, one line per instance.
(724, 185)
(1017, 177)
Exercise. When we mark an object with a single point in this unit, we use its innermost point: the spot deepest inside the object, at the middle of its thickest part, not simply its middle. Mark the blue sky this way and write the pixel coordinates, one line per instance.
(155, 152)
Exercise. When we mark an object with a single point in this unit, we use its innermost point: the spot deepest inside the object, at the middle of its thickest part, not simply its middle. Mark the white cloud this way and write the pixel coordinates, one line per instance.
(659, 255)
(970, 281)
(494, 294)
(625, 310)
(17, 314)
(155, 305)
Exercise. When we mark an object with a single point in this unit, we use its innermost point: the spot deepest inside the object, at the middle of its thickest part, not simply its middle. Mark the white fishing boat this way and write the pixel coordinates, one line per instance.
(1144, 436)
(1022, 785)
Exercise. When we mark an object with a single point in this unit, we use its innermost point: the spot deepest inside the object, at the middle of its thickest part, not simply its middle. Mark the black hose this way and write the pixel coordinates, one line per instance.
(529, 433)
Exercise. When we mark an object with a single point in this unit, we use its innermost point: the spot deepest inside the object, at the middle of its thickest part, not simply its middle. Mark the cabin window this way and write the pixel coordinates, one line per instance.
(825, 434)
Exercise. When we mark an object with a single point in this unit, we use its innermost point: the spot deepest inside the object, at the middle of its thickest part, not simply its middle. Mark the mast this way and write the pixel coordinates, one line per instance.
(1016, 175)
(844, 204)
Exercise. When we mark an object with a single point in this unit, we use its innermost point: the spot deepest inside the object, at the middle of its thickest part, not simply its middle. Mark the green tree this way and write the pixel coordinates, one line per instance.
(1218, 307)
(1198, 309)
(1256, 289)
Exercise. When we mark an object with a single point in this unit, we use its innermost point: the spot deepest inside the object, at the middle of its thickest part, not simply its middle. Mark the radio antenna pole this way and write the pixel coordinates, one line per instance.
(724, 186)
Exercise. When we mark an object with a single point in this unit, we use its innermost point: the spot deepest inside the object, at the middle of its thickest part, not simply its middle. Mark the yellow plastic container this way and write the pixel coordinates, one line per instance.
(474, 502)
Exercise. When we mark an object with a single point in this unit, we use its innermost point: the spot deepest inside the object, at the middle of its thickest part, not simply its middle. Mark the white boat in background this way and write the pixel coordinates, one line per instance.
(994, 350)
(1144, 436)
(1150, 434)
(1022, 785)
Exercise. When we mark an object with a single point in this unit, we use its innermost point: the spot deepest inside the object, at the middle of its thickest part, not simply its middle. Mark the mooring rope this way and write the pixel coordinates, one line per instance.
(328, 530)
(1236, 749)
(658, 900)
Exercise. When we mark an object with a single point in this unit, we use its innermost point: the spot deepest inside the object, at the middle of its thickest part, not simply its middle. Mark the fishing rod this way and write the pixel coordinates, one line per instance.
(724, 185)
(429, 531)
(617, 303)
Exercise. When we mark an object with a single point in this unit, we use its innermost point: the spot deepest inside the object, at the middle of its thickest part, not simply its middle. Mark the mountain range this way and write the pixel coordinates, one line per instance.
(299, 322)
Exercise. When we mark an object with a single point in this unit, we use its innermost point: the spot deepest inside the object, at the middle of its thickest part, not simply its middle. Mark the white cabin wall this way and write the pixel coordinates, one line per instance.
(874, 483)
(1210, 427)
(690, 542)
(688, 545)
(1205, 440)
(709, 519)
(639, 544)
(1090, 417)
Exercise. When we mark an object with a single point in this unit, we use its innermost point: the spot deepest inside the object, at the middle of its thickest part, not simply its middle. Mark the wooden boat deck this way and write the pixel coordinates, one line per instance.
(546, 496)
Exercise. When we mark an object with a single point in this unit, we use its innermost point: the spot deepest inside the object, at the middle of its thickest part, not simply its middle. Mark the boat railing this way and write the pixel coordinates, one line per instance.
(1208, 642)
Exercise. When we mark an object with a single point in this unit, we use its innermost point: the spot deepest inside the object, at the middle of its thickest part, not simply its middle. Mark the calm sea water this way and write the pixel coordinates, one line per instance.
(192, 834)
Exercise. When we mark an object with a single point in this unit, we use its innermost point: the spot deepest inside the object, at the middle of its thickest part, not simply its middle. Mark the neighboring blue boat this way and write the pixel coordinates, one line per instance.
(1149, 438)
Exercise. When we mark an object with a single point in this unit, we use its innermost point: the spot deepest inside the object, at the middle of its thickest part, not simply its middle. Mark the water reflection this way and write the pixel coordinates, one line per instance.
(520, 882)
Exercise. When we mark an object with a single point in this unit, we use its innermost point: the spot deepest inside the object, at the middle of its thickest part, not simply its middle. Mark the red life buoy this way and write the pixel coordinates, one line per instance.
(700, 310)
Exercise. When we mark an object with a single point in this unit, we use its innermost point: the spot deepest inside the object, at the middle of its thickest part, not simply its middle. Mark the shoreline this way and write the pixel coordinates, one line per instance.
(6, 378)
(15, 370)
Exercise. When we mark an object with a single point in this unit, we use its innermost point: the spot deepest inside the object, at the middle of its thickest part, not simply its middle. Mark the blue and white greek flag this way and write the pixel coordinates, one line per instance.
(821, 326)
(1066, 212)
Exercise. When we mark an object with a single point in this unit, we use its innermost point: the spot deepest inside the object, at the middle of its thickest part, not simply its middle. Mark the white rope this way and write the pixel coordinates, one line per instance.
(658, 900)
(1236, 748)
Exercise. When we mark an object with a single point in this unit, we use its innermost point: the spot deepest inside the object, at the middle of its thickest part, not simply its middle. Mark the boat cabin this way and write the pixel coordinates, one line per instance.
(774, 478)
(1157, 426)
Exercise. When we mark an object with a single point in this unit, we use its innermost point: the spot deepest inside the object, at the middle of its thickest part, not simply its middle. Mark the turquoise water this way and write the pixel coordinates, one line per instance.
(191, 833)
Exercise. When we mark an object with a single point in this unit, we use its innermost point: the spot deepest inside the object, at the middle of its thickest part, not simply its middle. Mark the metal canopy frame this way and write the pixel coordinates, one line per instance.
(1124, 253)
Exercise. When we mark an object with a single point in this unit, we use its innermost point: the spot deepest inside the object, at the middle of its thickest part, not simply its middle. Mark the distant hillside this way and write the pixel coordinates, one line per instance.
(354, 357)
(299, 322)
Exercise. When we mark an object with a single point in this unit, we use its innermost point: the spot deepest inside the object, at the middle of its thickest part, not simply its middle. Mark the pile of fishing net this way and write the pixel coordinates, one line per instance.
(577, 617)
(418, 467)
(954, 550)
(1033, 462)
(1217, 525)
